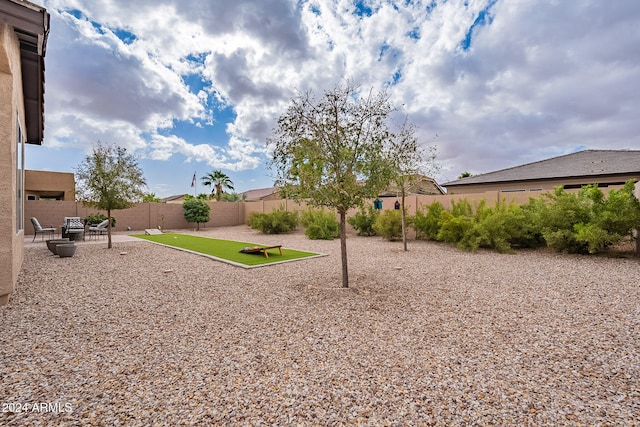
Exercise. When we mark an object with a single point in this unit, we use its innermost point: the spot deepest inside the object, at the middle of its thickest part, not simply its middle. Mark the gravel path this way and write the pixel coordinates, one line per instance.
(433, 336)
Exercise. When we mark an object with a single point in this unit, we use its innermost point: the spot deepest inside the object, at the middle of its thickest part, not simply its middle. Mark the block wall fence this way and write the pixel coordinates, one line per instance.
(169, 216)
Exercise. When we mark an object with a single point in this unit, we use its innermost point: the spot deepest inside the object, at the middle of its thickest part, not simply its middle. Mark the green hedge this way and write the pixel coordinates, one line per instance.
(586, 222)
(320, 224)
(364, 220)
(277, 222)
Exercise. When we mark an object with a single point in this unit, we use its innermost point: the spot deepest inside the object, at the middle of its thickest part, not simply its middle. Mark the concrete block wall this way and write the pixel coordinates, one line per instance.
(169, 216)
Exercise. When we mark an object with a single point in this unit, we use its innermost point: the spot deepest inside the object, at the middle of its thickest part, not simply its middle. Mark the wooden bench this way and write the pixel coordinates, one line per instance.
(262, 249)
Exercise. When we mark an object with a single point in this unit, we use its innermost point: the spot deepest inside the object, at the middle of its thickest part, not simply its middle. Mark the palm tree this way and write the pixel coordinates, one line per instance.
(218, 180)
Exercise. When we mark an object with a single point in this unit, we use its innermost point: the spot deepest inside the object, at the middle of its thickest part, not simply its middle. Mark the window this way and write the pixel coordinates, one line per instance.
(19, 179)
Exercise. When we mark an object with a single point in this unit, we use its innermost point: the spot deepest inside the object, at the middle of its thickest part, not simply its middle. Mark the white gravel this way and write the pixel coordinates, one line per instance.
(433, 336)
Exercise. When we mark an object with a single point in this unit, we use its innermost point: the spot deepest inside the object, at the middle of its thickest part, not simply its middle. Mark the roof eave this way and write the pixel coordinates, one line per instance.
(31, 26)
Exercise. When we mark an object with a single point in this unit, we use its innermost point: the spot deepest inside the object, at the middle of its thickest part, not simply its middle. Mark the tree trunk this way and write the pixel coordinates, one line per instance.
(343, 248)
(404, 223)
(109, 229)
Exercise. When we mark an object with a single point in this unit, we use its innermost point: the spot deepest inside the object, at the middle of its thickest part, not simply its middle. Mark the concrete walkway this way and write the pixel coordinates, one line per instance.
(115, 238)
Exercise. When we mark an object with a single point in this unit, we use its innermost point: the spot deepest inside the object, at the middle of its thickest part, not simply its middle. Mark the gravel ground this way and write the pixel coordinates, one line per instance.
(433, 336)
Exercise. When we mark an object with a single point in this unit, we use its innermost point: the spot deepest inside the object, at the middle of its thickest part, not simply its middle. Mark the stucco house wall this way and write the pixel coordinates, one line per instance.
(572, 171)
(49, 185)
(24, 27)
(11, 111)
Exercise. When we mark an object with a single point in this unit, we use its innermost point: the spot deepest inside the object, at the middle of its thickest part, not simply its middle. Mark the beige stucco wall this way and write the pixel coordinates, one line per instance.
(533, 187)
(45, 184)
(11, 109)
(169, 216)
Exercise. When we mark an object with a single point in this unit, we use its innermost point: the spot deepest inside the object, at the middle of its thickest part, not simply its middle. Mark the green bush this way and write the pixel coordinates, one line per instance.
(453, 228)
(559, 213)
(426, 222)
(612, 217)
(583, 222)
(97, 218)
(277, 222)
(530, 229)
(320, 224)
(494, 227)
(363, 221)
(196, 210)
(586, 222)
(389, 225)
(454, 224)
(461, 208)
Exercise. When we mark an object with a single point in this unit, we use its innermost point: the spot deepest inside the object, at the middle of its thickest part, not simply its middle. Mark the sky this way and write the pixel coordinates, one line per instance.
(192, 87)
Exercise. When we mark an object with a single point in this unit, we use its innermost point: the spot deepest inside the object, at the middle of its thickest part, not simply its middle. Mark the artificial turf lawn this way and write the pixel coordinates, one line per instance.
(228, 250)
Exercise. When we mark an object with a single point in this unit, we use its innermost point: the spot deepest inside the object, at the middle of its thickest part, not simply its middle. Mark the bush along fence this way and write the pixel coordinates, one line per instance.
(578, 221)
(588, 221)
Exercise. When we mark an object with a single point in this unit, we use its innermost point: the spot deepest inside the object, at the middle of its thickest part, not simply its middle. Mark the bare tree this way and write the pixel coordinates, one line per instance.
(331, 151)
(410, 161)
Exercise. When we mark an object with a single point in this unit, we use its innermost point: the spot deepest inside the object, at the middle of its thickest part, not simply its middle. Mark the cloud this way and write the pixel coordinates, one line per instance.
(500, 82)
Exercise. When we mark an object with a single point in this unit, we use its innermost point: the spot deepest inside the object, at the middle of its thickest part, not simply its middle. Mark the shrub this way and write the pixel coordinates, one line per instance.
(363, 221)
(461, 208)
(320, 224)
(277, 222)
(493, 227)
(612, 217)
(389, 225)
(427, 224)
(453, 228)
(456, 223)
(530, 235)
(230, 197)
(586, 222)
(196, 210)
(151, 198)
(560, 213)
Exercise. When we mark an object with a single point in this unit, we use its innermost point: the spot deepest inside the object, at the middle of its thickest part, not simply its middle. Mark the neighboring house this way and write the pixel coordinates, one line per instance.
(422, 185)
(602, 167)
(271, 193)
(43, 185)
(24, 28)
(179, 198)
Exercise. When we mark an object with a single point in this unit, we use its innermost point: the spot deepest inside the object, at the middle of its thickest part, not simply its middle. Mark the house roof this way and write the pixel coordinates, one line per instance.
(421, 185)
(582, 163)
(258, 193)
(30, 23)
(172, 198)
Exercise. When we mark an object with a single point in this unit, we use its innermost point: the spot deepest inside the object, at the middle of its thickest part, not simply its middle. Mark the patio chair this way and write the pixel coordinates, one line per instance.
(38, 229)
(73, 228)
(100, 229)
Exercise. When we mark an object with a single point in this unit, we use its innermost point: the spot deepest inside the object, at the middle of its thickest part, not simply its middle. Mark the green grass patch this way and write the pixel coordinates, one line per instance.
(226, 250)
